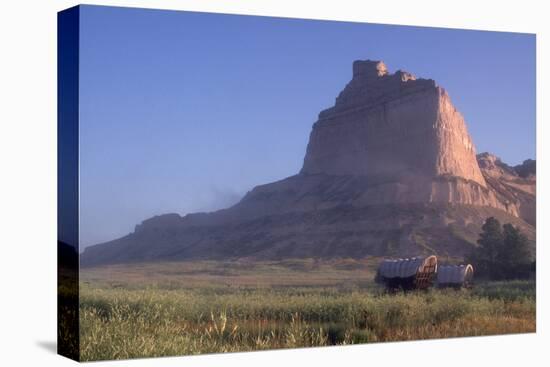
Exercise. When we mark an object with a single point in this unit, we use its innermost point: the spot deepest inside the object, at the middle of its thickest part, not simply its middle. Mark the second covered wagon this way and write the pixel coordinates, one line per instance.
(455, 276)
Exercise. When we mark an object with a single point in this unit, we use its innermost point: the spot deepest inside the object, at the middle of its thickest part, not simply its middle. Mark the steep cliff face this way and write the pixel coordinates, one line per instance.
(402, 133)
(389, 169)
(391, 127)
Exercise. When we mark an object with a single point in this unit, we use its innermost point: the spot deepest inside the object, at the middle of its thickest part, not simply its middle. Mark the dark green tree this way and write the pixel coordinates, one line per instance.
(514, 256)
(503, 252)
(485, 256)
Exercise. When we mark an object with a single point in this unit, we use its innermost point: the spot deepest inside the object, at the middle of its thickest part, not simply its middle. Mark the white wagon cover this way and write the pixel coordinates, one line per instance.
(400, 268)
(454, 274)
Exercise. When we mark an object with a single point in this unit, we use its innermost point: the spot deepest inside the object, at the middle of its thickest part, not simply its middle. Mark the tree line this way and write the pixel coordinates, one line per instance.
(503, 252)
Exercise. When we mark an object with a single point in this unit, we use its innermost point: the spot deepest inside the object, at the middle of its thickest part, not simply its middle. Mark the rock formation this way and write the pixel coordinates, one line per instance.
(514, 186)
(390, 168)
(391, 127)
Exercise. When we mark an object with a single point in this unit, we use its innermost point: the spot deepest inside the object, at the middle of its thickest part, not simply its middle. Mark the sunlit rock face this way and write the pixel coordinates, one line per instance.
(391, 127)
(404, 135)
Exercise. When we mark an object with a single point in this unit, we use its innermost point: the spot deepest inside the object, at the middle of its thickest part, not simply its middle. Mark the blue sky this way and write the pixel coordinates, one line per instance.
(183, 112)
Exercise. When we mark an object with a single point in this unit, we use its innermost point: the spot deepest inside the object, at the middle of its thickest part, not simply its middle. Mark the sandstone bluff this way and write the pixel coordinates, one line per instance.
(390, 169)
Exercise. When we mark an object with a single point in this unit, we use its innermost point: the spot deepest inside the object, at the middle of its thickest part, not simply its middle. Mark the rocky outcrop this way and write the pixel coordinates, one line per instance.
(513, 186)
(402, 133)
(389, 169)
(494, 167)
(405, 135)
(391, 127)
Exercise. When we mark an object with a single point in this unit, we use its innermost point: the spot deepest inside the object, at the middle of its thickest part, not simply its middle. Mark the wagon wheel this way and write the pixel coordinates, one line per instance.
(424, 278)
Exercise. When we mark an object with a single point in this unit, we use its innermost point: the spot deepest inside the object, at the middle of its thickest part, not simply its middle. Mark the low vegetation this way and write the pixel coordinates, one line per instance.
(212, 313)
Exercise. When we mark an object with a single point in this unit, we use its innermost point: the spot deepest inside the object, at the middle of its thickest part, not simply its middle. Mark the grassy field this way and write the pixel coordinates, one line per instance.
(162, 309)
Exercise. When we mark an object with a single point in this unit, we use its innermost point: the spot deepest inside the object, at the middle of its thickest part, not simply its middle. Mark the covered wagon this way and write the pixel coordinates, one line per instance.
(455, 276)
(411, 273)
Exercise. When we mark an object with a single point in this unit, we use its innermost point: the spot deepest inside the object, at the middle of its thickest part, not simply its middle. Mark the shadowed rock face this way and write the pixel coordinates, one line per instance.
(389, 169)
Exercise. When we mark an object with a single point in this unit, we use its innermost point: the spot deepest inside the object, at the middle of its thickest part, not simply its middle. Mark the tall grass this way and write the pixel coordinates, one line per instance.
(123, 323)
